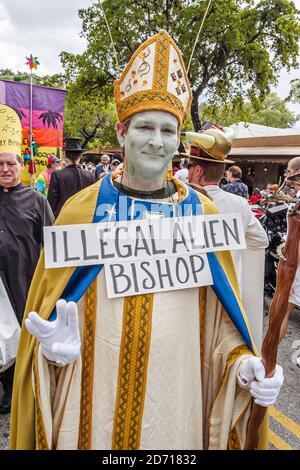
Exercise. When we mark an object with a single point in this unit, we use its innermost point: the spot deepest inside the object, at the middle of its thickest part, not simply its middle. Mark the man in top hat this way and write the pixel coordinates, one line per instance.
(208, 156)
(166, 370)
(70, 180)
(23, 213)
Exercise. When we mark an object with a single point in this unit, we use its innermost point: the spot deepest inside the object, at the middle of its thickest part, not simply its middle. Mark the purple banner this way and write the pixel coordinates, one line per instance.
(17, 95)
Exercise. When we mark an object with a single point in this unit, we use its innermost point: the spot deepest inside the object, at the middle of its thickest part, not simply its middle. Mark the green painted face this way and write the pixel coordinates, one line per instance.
(150, 143)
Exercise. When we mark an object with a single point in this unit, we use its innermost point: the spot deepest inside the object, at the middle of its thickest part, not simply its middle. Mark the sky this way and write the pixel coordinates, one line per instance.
(47, 27)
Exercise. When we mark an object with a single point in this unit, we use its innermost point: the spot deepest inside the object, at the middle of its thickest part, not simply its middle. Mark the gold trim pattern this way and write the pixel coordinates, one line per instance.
(149, 100)
(127, 106)
(118, 82)
(202, 310)
(86, 399)
(133, 363)
(232, 356)
(41, 442)
(161, 67)
(233, 441)
(181, 189)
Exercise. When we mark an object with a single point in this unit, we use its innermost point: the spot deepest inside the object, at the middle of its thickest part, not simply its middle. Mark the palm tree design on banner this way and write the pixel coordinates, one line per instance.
(51, 118)
(19, 112)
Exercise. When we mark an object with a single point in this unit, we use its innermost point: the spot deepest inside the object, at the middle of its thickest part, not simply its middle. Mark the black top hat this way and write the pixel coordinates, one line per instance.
(72, 144)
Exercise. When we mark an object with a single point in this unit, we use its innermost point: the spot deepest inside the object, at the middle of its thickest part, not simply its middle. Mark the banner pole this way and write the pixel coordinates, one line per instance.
(30, 128)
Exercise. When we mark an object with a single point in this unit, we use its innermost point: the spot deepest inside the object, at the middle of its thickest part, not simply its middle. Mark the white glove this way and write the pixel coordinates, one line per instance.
(252, 375)
(59, 339)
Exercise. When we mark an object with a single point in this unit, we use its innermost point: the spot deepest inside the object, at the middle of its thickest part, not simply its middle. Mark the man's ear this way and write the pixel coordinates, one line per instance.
(199, 170)
(120, 130)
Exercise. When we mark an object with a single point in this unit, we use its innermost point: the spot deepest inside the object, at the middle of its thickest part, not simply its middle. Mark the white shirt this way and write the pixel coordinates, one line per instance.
(182, 175)
(255, 235)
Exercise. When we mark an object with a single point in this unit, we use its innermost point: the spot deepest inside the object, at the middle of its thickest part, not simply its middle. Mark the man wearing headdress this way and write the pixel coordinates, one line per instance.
(23, 213)
(170, 370)
(208, 156)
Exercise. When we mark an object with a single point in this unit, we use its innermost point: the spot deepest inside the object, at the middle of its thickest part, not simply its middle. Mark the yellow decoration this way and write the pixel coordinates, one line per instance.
(155, 61)
(10, 131)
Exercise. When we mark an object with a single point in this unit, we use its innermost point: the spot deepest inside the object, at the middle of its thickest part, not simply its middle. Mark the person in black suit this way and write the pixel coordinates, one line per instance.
(69, 180)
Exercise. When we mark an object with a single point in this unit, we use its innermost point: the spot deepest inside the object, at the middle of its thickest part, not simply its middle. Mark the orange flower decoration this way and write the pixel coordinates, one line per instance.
(135, 82)
(144, 82)
(133, 73)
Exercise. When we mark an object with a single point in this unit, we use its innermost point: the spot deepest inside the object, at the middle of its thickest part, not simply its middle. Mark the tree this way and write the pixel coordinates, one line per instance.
(243, 45)
(272, 111)
(8, 74)
(294, 95)
(88, 114)
(91, 117)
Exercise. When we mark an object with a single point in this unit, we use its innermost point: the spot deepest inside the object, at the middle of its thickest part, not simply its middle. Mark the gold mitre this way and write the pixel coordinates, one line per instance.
(10, 131)
(154, 79)
(211, 145)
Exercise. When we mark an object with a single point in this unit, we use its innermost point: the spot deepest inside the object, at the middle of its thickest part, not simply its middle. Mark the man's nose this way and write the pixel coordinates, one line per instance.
(5, 167)
(156, 139)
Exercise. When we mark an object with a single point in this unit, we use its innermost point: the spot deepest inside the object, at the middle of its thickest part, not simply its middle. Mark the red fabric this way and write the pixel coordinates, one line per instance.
(253, 199)
(31, 168)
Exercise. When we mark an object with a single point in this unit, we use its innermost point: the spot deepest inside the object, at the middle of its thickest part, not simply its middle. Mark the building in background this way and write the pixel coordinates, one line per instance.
(263, 152)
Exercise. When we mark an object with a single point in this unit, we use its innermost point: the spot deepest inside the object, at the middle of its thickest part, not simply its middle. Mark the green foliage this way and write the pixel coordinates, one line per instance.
(294, 95)
(243, 45)
(91, 117)
(24, 77)
(89, 114)
(242, 48)
(272, 111)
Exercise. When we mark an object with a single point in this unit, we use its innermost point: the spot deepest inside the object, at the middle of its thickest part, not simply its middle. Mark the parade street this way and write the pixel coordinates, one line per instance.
(284, 416)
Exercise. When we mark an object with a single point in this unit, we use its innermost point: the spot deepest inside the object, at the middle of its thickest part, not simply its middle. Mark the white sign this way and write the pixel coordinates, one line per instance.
(157, 275)
(131, 241)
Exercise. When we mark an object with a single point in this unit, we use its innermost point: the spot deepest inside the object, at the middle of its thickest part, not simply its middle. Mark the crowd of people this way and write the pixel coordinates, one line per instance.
(173, 369)
(231, 182)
